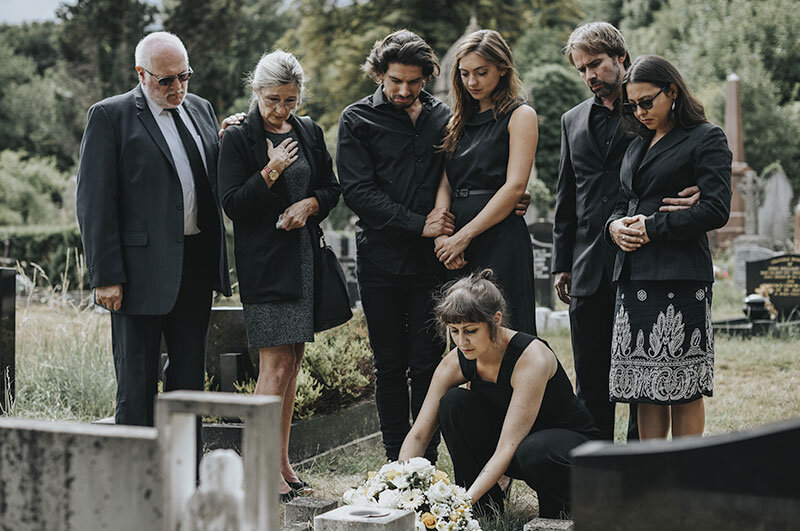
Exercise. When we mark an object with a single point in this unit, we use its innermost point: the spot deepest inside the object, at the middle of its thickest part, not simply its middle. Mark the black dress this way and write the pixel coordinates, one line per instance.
(471, 421)
(477, 169)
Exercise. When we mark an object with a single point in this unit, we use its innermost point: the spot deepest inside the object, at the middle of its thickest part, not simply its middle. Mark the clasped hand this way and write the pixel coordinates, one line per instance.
(450, 250)
(629, 233)
(296, 215)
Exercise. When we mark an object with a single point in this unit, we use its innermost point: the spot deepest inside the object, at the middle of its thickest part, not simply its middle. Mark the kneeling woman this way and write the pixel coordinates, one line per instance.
(519, 417)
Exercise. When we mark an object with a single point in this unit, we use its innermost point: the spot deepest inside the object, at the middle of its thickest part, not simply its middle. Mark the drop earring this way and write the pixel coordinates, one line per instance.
(673, 105)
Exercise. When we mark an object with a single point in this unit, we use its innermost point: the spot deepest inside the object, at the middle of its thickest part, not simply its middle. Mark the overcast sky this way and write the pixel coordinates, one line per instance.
(18, 11)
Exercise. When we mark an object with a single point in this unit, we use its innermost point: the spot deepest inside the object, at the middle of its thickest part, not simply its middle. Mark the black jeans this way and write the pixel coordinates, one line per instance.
(405, 346)
(471, 429)
(591, 326)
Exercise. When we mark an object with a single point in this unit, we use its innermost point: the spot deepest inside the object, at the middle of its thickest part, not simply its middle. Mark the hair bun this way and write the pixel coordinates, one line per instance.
(487, 274)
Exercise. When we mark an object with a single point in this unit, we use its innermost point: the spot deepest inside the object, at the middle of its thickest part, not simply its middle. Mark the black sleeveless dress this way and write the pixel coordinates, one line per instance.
(560, 407)
(479, 162)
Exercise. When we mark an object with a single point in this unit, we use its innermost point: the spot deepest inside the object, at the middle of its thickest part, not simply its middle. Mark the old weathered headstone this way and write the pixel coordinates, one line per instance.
(733, 482)
(8, 299)
(775, 213)
(542, 240)
(355, 518)
(779, 279)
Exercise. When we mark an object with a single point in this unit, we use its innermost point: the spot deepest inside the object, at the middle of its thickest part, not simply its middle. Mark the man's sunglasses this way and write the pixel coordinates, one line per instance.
(167, 80)
(645, 103)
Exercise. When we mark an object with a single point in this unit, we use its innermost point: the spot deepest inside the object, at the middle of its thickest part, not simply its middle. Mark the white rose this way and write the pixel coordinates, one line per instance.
(389, 499)
(419, 466)
(401, 481)
(355, 497)
(473, 525)
(440, 492)
(390, 470)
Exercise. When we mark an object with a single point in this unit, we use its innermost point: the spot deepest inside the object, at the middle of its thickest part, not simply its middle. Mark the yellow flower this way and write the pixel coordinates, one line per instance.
(428, 520)
(440, 475)
(371, 475)
(392, 474)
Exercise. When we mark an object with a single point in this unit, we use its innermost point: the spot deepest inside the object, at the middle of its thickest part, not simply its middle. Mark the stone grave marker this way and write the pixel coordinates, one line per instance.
(355, 518)
(741, 481)
(779, 277)
(542, 240)
(8, 299)
(775, 214)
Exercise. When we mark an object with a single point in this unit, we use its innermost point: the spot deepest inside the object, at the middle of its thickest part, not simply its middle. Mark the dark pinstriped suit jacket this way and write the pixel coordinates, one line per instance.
(130, 204)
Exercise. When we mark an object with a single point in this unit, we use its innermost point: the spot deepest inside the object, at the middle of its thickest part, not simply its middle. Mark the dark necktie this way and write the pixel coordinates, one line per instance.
(206, 211)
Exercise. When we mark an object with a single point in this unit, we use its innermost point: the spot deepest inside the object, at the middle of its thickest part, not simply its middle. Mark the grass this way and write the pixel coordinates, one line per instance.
(65, 372)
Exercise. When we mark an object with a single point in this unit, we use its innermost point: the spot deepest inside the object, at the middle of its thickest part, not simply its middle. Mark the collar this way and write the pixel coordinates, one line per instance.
(155, 108)
(599, 102)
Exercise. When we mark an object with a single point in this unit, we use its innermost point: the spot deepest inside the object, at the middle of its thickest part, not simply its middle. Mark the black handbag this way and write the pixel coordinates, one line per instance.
(331, 300)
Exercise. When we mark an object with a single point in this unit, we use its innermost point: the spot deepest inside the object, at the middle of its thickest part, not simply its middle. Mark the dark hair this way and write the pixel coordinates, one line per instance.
(688, 111)
(402, 47)
(596, 38)
(490, 45)
(475, 298)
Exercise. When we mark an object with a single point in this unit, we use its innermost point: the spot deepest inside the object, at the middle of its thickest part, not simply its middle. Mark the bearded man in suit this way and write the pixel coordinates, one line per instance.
(151, 224)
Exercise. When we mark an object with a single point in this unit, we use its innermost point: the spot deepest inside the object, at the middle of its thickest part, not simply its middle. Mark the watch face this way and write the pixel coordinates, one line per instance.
(273, 175)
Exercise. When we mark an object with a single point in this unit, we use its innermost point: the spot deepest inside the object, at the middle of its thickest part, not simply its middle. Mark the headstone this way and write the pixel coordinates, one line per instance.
(747, 249)
(734, 482)
(549, 524)
(733, 130)
(304, 509)
(8, 300)
(775, 214)
(779, 279)
(542, 315)
(542, 240)
(558, 320)
(355, 518)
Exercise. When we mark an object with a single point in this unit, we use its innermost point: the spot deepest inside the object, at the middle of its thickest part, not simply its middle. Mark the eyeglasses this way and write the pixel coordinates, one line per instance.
(275, 103)
(644, 104)
(167, 80)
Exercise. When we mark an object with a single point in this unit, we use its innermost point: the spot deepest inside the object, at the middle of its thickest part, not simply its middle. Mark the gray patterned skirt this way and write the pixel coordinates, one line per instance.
(662, 349)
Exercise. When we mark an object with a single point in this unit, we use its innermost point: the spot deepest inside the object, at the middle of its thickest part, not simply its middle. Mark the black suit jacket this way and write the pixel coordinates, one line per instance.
(268, 259)
(130, 204)
(678, 249)
(588, 185)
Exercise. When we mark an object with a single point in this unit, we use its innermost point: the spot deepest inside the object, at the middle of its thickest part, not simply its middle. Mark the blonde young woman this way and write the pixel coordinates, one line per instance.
(490, 142)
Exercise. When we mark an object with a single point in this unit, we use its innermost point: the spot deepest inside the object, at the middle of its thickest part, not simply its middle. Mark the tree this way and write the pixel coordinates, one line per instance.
(33, 190)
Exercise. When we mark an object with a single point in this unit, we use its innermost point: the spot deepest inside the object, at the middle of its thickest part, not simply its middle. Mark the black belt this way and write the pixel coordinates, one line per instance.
(466, 192)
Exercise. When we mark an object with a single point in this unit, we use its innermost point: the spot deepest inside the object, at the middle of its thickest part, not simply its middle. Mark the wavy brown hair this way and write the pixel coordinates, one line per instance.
(688, 111)
(490, 45)
(474, 298)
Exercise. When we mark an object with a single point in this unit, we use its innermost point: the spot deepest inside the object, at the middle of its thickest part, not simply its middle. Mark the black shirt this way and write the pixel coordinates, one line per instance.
(603, 123)
(389, 171)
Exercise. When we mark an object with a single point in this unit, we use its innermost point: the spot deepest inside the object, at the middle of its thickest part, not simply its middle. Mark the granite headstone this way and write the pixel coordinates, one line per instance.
(779, 279)
(542, 240)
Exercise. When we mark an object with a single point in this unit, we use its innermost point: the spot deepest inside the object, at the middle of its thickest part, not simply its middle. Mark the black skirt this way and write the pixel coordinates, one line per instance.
(662, 350)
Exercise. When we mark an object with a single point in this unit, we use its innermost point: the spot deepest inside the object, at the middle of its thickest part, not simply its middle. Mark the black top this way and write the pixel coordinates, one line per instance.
(588, 185)
(678, 248)
(560, 407)
(390, 171)
(268, 259)
(604, 123)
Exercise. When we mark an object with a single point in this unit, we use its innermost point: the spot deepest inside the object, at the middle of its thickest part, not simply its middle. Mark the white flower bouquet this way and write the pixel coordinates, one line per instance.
(418, 486)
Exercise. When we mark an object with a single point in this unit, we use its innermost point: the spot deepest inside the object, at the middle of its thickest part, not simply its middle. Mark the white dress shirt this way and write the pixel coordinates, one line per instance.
(170, 131)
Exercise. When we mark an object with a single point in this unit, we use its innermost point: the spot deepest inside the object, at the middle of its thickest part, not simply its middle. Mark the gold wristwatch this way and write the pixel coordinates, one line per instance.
(272, 175)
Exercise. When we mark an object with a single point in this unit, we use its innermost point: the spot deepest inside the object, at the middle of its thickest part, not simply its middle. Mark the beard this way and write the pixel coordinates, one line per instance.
(160, 99)
(403, 104)
(605, 88)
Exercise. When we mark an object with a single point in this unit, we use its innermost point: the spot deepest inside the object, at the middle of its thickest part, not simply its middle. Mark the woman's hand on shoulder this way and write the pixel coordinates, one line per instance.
(233, 119)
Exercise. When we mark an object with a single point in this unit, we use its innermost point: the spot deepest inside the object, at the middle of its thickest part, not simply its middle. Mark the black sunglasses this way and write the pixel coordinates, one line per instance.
(645, 104)
(167, 80)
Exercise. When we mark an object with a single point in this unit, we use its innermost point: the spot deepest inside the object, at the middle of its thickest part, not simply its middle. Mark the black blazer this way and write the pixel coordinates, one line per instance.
(588, 185)
(268, 259)
(130, 204)
(678, 249)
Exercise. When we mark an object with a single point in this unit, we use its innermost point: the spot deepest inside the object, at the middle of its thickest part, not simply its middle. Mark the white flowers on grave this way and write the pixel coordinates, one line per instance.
(418, 486)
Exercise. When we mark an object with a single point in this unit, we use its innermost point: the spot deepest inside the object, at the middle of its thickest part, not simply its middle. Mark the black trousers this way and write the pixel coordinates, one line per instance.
(137, 341)
(405, 346)
(591, 326)
(471, 430)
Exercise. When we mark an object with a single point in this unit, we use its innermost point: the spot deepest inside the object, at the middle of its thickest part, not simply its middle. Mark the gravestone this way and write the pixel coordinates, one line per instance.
(355, 518)
(542, 240)
(8, 299)
(775, 214)
(733, 130)
(734, 482)
(779, 277)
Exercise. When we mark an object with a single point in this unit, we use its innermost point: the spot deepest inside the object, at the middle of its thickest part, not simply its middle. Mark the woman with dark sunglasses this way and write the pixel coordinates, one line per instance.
(662, 354)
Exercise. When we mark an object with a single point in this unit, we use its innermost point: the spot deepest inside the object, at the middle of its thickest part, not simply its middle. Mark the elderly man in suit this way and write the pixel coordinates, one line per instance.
(152, 226)
(592, 146)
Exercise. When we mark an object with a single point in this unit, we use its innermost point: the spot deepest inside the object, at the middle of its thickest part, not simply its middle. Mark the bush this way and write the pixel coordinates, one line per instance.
(54, 249)
(33, 190)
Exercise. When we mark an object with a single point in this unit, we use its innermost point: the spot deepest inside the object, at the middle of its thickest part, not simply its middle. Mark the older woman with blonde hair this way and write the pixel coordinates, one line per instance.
(276, 183)
(490, 142)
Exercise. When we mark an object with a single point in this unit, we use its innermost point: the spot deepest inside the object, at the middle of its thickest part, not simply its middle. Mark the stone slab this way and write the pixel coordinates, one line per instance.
(355, 518)
(549, 524)
(67, 476)
(739, 481)
(302, 510)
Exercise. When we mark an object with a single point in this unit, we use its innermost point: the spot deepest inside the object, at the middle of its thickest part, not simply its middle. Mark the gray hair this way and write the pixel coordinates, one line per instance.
(144, 50)
(275, 69)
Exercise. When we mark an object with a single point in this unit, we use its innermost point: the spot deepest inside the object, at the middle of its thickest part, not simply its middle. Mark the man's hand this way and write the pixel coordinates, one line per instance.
(563, 285)
(109, 297)
(522, 207)
(440, 222)
(233, 119)
(626, 235)
(687, 197)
